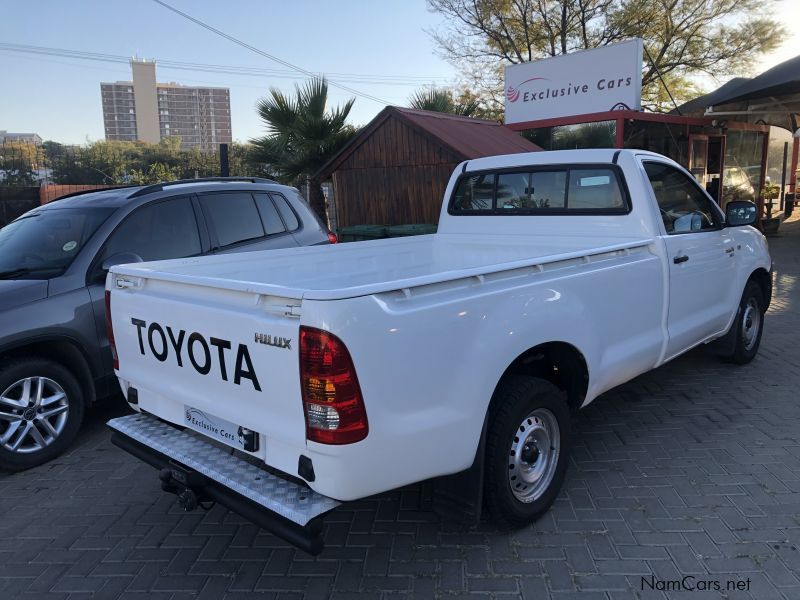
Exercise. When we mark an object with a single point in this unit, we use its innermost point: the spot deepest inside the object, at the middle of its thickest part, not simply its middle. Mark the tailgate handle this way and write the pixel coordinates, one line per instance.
(124, 283)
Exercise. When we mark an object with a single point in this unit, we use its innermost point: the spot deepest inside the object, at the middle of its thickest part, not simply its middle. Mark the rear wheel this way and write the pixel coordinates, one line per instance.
(527, 450)
(41, 409)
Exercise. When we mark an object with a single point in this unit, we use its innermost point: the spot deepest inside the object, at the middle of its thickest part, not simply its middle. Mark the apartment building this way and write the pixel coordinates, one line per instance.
(24, 138)
(142, 109)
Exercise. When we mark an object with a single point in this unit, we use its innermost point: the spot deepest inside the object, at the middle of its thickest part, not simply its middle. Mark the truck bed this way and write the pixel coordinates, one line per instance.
(357, 269)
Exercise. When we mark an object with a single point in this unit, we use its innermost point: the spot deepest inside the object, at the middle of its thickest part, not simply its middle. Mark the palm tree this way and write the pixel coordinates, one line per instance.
(438, 100)
(302, 136)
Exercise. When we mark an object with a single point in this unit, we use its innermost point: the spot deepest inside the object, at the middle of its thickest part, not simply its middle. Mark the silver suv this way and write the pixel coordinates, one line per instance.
(55, 359)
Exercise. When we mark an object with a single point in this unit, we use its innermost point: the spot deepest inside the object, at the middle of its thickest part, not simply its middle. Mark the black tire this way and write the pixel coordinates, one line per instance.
(516, 399)
(747, 342)
(36, 451)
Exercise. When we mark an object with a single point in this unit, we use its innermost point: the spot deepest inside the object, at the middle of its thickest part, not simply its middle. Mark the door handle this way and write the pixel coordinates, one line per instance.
(729, 250)
(681, 258)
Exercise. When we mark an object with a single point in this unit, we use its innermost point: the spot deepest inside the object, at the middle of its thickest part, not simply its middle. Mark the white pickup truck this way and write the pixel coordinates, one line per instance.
(282, 383)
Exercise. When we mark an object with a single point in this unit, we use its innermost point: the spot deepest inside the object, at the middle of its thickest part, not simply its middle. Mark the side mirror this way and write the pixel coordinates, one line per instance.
(740, 212)
(121, 258)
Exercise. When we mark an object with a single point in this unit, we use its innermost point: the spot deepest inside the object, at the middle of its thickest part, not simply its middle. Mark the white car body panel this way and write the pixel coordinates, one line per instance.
(432, 322)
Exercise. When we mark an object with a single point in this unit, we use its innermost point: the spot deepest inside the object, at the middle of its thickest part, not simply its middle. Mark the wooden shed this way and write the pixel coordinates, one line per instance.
(394, 172)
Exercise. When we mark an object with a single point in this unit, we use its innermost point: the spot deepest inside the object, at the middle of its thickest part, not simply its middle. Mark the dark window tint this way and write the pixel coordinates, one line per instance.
(269, 216)
(157, 232)
(684, 207)
(286, 212)
(474, 193)
(233, 216)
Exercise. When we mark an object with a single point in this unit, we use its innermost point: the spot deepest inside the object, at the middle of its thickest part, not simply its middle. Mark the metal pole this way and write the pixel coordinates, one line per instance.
(783, 172)
(224, 165)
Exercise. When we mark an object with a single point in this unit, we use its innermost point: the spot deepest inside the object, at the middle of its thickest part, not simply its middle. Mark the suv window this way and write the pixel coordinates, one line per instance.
(157, 231)
(684, 207)
(286, 212)
(269, 215)
(559, 190)
(233, 216)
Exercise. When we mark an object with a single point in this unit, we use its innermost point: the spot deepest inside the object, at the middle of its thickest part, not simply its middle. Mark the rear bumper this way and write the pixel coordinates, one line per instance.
(286, 509)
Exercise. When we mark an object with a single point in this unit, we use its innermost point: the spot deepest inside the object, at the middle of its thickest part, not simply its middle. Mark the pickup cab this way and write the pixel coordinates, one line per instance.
(283, 383)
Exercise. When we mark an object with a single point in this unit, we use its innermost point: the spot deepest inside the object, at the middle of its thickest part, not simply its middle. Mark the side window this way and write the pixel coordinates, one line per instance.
(157, 231)
(474, 193)
(684, 208)
(269, 215)
(286, 212)
(233, 216)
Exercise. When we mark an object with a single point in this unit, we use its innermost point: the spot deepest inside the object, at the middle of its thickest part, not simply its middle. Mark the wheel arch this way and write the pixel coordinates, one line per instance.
(558, 362)
(63, 351)
(762, 277)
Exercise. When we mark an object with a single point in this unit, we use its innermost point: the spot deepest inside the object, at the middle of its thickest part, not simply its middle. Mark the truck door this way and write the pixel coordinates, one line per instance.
(700, 258)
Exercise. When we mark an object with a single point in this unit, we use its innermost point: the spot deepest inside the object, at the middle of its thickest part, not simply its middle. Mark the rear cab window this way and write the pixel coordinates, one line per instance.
(580, 189)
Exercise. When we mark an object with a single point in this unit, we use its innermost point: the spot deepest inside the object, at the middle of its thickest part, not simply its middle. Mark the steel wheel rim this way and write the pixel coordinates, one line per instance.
(751, 324)
(33, 413)
(533, 456)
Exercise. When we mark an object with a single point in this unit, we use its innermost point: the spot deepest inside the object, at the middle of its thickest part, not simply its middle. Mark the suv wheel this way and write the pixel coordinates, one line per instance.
(41, 409)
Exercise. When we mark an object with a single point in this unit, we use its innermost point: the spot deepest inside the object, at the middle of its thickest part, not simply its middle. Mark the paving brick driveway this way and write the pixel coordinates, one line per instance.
(692, 470)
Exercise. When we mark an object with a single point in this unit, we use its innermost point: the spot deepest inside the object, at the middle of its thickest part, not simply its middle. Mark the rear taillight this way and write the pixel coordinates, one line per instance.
(332, 401)
(332, 238)
(110, 331)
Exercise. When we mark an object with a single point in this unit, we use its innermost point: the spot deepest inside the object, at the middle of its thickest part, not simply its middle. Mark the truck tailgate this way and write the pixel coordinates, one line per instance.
(213, 360)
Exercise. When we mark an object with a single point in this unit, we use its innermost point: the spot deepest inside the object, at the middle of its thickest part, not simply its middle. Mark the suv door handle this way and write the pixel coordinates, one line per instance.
(681, 258)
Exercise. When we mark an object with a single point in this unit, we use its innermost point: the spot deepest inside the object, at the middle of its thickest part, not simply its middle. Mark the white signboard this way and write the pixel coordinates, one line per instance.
(607, 78)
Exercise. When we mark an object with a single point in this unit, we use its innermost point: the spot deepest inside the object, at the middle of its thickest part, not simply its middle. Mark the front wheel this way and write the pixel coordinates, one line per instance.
(41, 409)
(749, 325)
(527, 450)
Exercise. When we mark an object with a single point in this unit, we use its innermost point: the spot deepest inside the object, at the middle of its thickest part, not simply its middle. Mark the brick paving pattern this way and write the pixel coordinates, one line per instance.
(691, 470)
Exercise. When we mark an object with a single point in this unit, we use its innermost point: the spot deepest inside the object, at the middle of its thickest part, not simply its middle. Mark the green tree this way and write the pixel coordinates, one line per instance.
(444, 101)
(20, 162)
(154, 173)
(302, 135)
(683, 37)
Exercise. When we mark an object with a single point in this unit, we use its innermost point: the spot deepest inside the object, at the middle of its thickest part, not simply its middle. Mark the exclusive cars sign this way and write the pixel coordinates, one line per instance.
(607, 78)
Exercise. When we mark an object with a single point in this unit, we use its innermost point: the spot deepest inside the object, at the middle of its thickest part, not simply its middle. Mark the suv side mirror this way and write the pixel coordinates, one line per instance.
(120, 258)
(740, 212)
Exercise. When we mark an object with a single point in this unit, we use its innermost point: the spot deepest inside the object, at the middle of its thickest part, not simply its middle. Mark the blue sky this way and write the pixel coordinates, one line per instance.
(59, 98)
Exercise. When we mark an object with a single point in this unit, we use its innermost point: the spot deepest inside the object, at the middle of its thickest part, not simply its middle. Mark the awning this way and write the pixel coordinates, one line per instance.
(772, 98)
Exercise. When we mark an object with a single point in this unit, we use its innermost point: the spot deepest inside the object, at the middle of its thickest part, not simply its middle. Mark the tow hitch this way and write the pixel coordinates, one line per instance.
(186, 484)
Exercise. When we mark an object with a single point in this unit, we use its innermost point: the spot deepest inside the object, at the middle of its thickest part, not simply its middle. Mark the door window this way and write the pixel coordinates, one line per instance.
(157, 231)
(684, 207)
(233, 216)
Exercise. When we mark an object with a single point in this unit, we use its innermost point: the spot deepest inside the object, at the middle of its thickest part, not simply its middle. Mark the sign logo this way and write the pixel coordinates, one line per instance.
(512, 93)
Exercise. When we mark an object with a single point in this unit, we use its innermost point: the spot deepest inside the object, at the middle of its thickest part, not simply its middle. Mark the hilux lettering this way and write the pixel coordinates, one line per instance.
(197, 349)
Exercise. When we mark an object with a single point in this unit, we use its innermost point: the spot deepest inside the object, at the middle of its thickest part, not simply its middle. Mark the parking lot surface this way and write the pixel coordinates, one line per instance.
(683, 480)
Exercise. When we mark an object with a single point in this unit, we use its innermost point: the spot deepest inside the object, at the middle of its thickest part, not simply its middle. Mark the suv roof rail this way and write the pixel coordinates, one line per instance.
(157, 187)
(89, 191)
